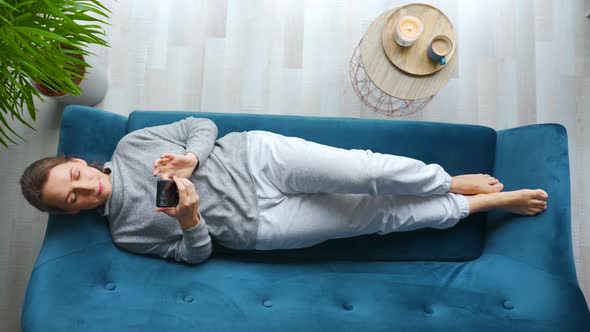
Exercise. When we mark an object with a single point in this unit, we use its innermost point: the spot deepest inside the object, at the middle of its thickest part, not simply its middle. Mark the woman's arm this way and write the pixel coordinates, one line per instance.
(193, 247)
(196, 135)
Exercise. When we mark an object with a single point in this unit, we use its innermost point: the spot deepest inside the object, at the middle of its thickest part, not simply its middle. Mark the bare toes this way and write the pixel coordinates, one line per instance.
(541, 194)
(541, 206)
(497, 187)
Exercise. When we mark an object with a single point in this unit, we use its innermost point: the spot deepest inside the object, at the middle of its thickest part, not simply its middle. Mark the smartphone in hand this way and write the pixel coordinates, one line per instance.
(166, 194)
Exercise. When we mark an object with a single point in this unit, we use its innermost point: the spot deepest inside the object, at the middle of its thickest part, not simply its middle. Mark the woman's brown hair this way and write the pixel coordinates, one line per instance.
(35, 177)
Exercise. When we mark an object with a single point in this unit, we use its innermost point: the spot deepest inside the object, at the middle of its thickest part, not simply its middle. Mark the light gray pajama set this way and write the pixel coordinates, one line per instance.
(260, 190)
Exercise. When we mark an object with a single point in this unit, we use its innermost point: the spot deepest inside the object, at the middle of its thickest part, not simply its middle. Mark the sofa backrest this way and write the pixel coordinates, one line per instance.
(460, 149)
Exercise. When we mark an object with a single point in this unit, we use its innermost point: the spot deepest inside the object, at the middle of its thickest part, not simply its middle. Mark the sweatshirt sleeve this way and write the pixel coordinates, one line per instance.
(196, 135)
(193, 247)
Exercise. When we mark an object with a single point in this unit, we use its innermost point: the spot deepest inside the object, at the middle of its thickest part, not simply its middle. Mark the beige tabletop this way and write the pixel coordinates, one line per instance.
(391, 80)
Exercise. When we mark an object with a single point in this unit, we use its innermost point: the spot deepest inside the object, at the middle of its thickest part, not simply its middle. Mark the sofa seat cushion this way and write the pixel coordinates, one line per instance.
(122, 291)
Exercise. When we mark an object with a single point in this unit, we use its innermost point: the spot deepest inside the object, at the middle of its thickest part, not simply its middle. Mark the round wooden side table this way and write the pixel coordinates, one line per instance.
(387, 89)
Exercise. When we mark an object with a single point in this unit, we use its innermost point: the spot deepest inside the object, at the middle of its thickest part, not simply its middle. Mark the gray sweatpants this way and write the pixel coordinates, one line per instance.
(309, 193)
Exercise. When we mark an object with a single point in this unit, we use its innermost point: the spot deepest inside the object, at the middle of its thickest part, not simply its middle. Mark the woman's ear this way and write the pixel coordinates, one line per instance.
(81, 161)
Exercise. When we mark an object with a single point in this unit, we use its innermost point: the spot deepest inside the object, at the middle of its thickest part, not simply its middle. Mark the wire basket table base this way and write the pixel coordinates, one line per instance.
(374, 98)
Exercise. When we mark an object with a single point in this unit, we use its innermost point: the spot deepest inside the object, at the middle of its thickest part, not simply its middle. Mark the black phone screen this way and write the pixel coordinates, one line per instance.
(166, 194)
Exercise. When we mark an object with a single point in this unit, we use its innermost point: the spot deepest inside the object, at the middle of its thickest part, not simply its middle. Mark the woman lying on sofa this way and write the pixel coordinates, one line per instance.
(258, 190)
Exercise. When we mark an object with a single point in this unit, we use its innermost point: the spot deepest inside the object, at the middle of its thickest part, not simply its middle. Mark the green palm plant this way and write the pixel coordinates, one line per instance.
(43, 41)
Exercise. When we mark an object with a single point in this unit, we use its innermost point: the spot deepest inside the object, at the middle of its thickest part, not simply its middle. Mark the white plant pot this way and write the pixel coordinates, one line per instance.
(94, 87)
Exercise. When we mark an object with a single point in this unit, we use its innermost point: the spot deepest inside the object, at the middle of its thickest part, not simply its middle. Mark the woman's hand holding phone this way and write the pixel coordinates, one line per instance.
(187, 210)
(173, 164)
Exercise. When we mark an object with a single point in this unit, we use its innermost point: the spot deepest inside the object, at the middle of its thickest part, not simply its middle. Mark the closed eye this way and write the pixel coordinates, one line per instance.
(74, 175)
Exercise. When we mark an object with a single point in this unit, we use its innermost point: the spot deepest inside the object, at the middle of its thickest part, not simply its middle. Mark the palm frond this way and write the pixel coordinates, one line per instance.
(37, 41)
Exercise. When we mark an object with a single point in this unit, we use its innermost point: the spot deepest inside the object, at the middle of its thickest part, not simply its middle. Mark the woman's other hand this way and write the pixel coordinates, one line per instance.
(170, 165)
(187, 210)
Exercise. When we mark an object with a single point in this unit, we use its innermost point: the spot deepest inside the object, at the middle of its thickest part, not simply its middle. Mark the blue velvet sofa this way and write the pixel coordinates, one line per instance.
(492, 272)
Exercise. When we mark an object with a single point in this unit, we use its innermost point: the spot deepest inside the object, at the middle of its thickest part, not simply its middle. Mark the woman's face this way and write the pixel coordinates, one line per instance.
(75, 186)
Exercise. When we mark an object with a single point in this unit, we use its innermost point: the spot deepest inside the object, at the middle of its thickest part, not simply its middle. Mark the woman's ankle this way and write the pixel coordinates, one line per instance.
(484, 202)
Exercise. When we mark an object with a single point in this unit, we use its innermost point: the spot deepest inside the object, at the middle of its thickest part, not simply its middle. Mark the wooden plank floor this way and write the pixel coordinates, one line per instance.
(520, 62)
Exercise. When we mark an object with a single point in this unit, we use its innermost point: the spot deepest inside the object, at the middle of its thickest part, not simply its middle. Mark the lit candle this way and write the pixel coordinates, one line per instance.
(407, 30)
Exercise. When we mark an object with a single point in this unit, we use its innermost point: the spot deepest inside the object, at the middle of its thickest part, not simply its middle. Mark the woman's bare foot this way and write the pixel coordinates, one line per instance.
(525, 202)
(473, 184)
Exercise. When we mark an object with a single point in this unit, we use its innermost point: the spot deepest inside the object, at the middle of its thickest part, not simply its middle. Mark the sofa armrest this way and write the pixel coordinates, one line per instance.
(534, 157)
(90, 133)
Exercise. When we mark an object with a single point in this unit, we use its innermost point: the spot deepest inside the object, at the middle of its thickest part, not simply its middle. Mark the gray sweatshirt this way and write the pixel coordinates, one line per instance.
(227, 200)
